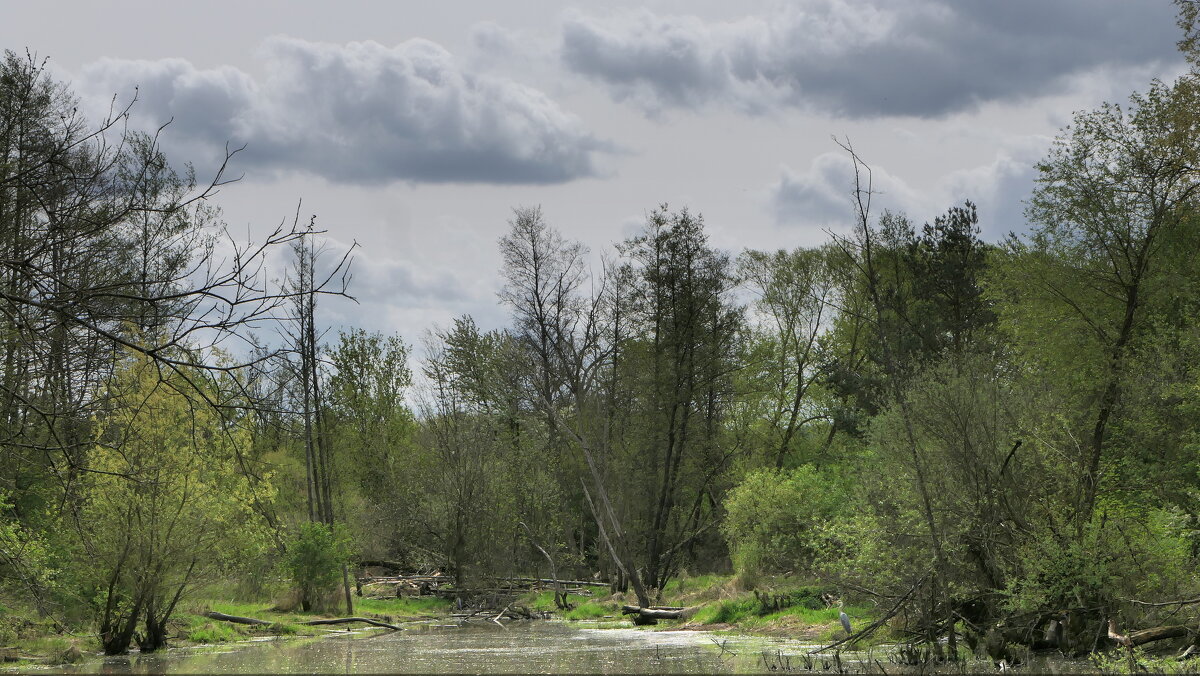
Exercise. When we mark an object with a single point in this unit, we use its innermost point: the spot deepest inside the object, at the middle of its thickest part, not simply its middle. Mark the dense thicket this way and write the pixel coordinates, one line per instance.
(1006, 430)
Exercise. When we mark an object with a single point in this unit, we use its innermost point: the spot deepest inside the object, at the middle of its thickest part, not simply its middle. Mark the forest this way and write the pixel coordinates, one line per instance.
(985, 434)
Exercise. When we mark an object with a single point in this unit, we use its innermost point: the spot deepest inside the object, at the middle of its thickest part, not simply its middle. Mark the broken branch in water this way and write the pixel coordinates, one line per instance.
(213, 615)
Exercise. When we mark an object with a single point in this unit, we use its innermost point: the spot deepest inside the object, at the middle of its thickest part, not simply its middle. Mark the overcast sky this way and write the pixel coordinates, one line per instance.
(414, 128)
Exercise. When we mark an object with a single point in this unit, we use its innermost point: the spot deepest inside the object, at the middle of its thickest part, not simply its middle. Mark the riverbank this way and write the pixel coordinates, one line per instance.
(777, 607)
(780, 608)
(27, 641)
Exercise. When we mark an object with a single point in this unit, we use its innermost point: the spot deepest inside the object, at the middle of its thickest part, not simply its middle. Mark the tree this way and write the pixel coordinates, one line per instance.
(1116, 192)
(466, 432)
(777, 520)
(165, 502)
(104, 248)
(315, 560)
(795, 296)
(319, 461)
(373, 429)
(683, 358)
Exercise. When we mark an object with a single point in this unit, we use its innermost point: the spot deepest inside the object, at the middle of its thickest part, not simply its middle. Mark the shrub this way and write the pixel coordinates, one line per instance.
(315, 561)
(776, 520)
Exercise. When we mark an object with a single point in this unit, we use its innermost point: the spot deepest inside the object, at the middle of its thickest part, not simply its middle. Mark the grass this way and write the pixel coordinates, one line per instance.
(700, 583)
(212, 632)
(733, 611)
(591, 610)
(540, 601)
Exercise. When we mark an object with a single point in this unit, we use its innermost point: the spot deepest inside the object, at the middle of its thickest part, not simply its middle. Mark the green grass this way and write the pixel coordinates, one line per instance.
(748, 613)
(540, 601)
(243, 609)
(688, 585)
(213, 632)
(590, 610)
(733, 611)
(805, 615)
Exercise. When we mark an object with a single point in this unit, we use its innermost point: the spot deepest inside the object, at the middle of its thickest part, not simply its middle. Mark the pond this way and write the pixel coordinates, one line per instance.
(521, 647)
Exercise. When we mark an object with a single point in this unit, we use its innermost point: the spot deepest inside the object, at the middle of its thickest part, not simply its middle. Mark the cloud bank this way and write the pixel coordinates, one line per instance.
(359, 113)
(821, 196)
(926, 58)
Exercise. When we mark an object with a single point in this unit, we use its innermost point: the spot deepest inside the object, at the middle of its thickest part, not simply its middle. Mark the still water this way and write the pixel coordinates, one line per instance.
(523, 647)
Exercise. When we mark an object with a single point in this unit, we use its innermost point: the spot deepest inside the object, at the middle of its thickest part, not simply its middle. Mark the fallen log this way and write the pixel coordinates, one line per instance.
(344, 620)
(212, 614)
(1157, 634)
(379, 563)
(660, 612)
(542, 580)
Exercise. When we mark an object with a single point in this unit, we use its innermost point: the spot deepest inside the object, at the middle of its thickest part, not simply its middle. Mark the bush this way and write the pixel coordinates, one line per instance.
(776, 520)
(315, 561)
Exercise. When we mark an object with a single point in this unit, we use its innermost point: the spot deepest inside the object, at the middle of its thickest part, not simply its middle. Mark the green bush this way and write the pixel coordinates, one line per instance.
(315, 561)
(776, 521)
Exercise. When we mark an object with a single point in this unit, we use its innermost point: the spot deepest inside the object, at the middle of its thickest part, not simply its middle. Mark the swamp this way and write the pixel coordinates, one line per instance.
(907, 440)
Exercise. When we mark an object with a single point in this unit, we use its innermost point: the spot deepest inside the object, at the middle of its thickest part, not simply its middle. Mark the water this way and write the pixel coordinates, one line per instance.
(522, 647)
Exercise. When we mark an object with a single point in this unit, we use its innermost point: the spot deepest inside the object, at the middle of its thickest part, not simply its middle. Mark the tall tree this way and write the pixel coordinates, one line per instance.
(794, 306)
(1116, 191)
(687, 324)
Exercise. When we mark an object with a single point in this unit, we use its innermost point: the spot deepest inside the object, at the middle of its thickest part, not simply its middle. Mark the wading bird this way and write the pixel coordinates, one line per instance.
(844, 618)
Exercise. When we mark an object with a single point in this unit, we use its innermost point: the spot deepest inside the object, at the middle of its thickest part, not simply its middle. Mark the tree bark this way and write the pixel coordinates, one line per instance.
(1157, 634)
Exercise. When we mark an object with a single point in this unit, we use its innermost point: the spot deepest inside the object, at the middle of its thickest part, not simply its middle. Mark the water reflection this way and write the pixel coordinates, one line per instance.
(536, 647)
(533, 647)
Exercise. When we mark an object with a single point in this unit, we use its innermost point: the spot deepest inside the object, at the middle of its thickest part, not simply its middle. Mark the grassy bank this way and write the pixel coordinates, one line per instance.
(26, 640)
(781, 607)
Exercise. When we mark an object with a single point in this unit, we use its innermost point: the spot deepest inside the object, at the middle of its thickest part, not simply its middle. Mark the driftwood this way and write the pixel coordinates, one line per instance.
(510, 612)
(394, 565)
(1157, 634)
(542, 580)
(1164, 604)
(660, 612)
(344, 620)
(213, 615)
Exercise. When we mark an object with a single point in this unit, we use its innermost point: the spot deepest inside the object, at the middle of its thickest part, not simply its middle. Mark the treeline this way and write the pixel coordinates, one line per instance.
(1003, 434)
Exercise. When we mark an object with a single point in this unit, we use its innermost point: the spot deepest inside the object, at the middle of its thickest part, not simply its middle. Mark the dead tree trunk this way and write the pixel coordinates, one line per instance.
(560, 599)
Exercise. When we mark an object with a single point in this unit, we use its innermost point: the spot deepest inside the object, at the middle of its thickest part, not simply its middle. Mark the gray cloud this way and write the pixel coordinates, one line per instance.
(910, 57)
(360, 113)
(822, 195)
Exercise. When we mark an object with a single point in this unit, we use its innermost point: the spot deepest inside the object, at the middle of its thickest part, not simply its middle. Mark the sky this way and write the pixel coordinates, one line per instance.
(413, 129)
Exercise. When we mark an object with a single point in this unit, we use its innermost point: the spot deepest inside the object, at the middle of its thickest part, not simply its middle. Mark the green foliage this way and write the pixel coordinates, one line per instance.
(776, 521)
(166, 502)
(315, 559)
(1127, 553)
(26, 558)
